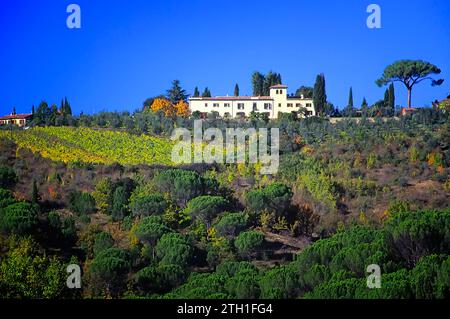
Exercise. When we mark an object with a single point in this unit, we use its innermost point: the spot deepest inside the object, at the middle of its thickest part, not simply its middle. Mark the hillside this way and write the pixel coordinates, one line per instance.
(347, 195)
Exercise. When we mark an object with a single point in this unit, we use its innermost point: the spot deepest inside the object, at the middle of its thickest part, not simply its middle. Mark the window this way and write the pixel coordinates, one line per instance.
(279, 104)
(281, 91)
(240, 106)
(226, 105)
(308, 105)
(267, 106)
(277, 92)
(289, 105)
(255, 106)
(298, 105)
(215, 104)
(206, 104)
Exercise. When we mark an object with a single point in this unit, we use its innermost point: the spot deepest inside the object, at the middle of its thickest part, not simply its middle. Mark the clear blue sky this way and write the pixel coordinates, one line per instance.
(127, 51)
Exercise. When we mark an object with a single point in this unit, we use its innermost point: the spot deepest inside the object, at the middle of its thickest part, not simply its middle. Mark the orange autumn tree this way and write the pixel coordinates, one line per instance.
(163, 105)
(182, 109)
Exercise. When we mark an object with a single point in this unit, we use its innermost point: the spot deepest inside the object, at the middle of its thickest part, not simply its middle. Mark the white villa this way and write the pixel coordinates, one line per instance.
(242, 106)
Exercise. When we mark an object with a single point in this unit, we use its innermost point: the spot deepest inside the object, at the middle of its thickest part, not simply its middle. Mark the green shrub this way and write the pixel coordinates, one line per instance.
(154, 204)
(63, 228)
(337, 289)
(219, 252)
(103, 241)
(19, 218)
(248, 242)
(8, 177)
(274, 198)
(278, 283)
(158, 279)
(232, 268)
(6, 198)
(423, 277)
(412, 235)
(244, 285)
(205, 208)
(151, 229)
(81, 203)
(231, 224)
(182, 185)
(174, 249)
(119, 207)
(27, 273)
(108, 270)
(202, 286)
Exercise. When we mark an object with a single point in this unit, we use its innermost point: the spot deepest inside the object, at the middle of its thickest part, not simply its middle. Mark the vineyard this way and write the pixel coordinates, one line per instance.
(84, 145)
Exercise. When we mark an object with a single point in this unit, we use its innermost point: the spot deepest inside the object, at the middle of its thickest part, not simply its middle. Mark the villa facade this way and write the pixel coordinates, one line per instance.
(20, 120)
(242, 106)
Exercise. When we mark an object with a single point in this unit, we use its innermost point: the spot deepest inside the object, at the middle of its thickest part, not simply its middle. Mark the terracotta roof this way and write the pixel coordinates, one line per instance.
(16, 117)
(411, 110)
(231, 98)
(279, 86)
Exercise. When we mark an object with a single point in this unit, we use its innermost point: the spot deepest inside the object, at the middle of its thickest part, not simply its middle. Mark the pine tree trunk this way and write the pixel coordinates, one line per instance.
(409, 97)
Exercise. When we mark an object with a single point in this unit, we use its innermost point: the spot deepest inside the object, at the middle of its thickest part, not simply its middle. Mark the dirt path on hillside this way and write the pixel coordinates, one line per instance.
(298, 243)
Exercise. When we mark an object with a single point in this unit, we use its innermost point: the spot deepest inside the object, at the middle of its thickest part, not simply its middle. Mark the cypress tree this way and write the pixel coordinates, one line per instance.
(350, 98)
(236, 90)
(391, 103)
(364, 103)
(319, 95)
(269, 80)
(279, 79)
(386, 98)
(53, 114)
(364, 107)
(34, 193)
(206, 93)
(67, 107)
(196, 92)
(257, 84)
(43, 113)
